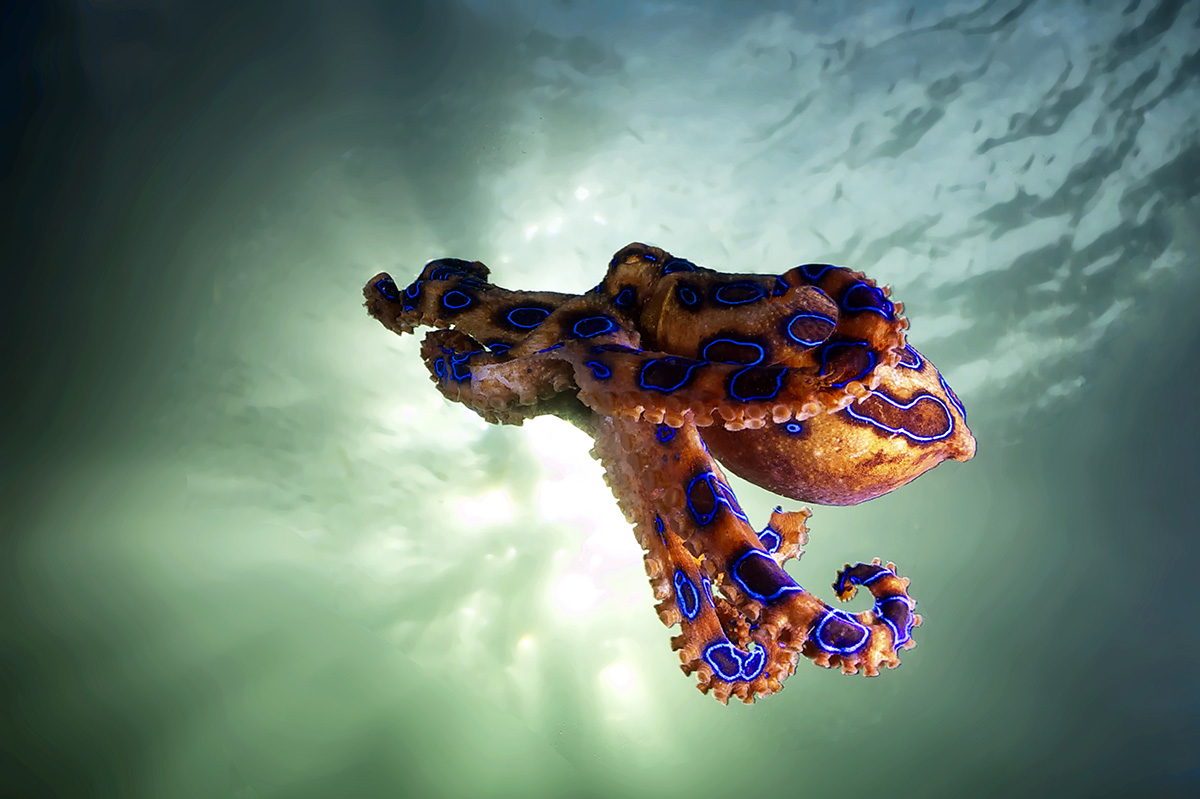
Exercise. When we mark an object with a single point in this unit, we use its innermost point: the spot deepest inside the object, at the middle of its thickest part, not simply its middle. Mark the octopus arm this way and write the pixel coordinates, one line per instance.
(661, 387)
(454, 293)
(744, 620)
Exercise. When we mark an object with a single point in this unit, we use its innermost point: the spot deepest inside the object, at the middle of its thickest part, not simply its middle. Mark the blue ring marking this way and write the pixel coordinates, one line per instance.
(650, 257)
(845, 618)
(770, 539)
(722, 495)
(898, 638)
(825, 360)
(669, 361)
(449, 268)
(803, 341)
(547, 349)
(686, 596)
(500, 347)
(883, 572)
(875, 302)
(707, 585)
(412, 293)
(773, 568)
(756, 290)
(686, 296)
(626, 298)
(702, 519)
(903, 430)
(753, 665)
(762, 353)
(445, 271)
(460, 371)
(780, 288)
(807, 270)
(387, 287)
(599, 370)
(460, 300)
(733, 391)
(880, 571)
(529, 311)
(658, 525)
(593, 326)
(794, 428)
(732, 664)
(678, 265)
(917, 361)
(439, 369)
(952, 396)
(727, 498)
(664, 433)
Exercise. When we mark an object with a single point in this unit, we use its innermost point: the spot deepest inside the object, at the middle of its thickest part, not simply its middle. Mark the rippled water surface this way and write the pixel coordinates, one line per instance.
(251, 552)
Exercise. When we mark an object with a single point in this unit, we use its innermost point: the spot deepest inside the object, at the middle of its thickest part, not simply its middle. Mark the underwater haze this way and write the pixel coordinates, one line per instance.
(250, 551)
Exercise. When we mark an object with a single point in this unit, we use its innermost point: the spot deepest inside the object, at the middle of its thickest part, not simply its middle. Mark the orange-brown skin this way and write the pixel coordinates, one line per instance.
(802, 383)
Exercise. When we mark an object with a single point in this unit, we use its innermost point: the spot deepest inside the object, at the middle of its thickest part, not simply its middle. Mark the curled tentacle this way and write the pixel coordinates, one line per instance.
(744, 620)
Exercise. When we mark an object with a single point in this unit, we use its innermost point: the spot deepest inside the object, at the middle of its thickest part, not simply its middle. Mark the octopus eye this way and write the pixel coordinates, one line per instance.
(387, 288)
(844, 355)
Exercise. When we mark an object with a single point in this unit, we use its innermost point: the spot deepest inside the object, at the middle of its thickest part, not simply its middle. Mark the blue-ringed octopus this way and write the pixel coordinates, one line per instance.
(802, 383)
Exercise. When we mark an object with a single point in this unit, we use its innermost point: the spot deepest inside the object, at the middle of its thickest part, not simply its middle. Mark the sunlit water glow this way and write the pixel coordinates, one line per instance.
(257, 554)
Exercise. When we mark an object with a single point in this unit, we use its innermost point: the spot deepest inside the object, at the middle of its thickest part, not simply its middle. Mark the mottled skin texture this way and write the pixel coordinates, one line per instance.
(802, 383)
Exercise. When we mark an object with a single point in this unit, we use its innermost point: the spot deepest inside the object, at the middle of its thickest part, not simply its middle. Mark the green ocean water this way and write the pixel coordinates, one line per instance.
(249, 551)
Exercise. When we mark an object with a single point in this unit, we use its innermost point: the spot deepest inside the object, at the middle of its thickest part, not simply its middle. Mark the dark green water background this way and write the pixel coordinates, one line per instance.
(240, 555)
